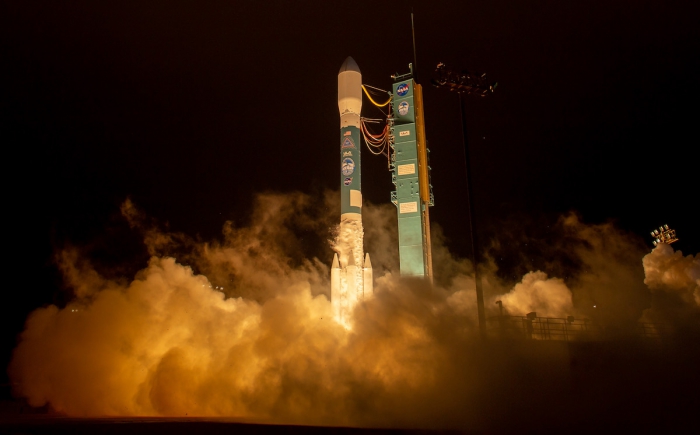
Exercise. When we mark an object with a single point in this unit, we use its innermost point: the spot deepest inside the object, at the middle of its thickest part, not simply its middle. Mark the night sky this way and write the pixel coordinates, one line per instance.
(191, 108)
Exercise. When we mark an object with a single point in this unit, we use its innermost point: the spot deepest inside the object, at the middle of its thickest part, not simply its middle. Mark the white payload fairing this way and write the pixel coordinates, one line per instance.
(351, 272)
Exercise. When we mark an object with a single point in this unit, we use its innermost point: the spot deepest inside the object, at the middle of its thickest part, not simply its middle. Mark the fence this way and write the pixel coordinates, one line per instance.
(562, 329)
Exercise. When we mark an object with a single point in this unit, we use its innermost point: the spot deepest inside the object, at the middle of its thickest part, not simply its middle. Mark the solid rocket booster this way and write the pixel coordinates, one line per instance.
(351, 277)
(346, 291)
(367, 280)
(349, 105)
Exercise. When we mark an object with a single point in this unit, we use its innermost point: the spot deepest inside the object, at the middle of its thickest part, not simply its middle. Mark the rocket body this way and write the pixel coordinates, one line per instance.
(349, 106)
(351, 272)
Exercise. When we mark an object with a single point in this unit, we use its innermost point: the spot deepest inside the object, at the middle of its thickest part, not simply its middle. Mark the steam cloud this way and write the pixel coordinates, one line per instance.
(252, 336)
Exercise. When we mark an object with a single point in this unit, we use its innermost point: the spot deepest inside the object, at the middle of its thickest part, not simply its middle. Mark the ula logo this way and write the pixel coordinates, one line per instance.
(402, 89)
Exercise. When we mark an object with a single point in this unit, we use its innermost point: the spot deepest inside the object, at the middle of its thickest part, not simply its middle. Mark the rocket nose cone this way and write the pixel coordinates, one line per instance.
(349, 65)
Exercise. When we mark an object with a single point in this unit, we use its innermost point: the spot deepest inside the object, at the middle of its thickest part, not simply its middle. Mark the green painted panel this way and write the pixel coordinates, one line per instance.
(404, 111)
(407, 189)
(410, 234)
(403, 89)
(404, 133)
(406, 150)
(411, 260)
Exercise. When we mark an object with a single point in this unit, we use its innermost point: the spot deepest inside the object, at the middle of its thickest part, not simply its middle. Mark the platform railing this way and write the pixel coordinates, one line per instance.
(562, 329)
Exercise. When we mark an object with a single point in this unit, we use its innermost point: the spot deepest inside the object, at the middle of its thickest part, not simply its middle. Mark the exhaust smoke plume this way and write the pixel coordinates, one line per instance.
(674, 281)
(250, 334)
(670, 272)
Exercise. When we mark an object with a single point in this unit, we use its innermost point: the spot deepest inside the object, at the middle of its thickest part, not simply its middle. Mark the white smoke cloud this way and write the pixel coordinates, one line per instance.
(549, 297)
(671, 272)
(674, 281)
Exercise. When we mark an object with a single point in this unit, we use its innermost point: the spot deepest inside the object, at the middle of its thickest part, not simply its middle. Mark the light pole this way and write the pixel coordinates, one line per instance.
(465, 83)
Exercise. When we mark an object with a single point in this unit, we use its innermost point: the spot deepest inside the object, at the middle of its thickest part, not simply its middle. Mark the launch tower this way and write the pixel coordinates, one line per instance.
(411, 176)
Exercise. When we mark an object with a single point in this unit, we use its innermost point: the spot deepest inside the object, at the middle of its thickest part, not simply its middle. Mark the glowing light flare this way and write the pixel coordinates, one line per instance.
(349, 244)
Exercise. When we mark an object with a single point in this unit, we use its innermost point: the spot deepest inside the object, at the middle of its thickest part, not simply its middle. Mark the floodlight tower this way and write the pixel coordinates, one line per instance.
(466, 83)
(664, 235)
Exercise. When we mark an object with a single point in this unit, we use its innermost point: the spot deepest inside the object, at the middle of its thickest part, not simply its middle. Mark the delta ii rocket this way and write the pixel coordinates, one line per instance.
(351, 274)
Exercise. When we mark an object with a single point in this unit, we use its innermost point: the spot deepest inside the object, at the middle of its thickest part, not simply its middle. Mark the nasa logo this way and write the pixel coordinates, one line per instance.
(405, 133)
(347, 154)
(403, 108)
(402, 89)
(348, 166)
(348, 143)
(348, 181)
